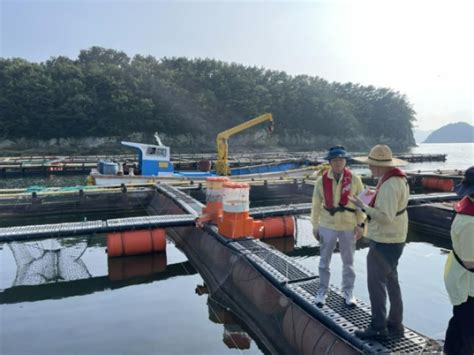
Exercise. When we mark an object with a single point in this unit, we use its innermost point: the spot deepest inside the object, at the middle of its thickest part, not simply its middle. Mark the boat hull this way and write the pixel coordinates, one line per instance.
(102, 180)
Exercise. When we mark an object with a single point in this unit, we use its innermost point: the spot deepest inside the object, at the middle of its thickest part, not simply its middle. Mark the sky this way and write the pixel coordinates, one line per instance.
(423, 49)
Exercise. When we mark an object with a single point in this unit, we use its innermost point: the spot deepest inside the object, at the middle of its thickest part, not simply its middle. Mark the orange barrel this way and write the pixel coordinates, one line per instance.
(128, 267)
(437, 184)
(308, 336)
(204, 165)
(214, 195)
(274, 227)
(136, 242)
(257, 289)
(235, 222)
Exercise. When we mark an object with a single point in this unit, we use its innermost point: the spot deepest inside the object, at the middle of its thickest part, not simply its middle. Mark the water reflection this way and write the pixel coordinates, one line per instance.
(54, 269)
(128, 267)
(47, 261)
(234, 337)
(285, 245)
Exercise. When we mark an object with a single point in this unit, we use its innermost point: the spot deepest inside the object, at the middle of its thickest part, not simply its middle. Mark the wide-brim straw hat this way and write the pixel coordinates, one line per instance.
(466, 187)
(381, 155)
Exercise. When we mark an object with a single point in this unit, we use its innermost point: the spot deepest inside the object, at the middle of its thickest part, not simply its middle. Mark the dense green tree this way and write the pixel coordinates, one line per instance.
(104, 93)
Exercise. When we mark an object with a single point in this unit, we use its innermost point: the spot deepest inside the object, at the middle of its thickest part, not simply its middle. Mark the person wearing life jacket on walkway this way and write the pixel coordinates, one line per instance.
(387, 230)
(459, 271)
(335, 219)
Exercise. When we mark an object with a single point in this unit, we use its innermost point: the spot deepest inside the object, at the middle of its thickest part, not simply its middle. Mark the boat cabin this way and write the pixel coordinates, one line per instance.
(153, 160)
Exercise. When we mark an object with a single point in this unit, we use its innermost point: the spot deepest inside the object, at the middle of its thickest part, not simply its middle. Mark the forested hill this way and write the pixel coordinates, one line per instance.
(104, 93)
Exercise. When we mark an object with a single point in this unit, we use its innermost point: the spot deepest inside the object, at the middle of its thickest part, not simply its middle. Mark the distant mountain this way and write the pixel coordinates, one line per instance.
(460, 132)
(420, 135)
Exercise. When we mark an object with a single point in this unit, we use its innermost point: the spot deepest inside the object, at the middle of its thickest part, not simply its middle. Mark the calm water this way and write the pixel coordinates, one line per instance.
(87, 306)
(86, 312)
(458, 156)
(71, 303)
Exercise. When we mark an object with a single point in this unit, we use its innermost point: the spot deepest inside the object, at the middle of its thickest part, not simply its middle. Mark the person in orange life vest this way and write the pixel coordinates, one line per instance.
(387, 231)
(459, 271)
(335, 219)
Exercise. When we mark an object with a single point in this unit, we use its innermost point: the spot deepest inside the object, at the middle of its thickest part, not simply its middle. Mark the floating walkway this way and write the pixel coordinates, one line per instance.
(302, 285)
(186, 210)
(76, 228)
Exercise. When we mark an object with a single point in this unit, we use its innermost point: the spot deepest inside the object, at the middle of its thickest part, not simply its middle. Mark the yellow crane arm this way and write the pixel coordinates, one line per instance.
(222, 167)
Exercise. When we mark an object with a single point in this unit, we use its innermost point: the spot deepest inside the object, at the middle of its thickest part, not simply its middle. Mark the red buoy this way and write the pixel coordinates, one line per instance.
(136, 242)
(274, 227)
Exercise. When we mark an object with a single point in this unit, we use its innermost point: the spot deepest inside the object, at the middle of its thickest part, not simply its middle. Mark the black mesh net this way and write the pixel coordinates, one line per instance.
(47, 261)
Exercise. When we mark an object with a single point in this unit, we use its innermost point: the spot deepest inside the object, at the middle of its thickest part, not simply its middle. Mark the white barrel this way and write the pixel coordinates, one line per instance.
(236, 197)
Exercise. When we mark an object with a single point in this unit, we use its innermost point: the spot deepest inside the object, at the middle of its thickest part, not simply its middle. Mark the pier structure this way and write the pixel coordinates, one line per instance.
(82, 164)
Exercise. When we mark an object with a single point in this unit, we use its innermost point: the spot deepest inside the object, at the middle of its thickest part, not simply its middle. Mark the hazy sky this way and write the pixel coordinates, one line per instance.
(423, 49)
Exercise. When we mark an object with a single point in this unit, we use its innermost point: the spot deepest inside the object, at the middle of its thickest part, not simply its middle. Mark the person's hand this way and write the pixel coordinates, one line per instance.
(316, 234)
(358, 232)
(357, 202)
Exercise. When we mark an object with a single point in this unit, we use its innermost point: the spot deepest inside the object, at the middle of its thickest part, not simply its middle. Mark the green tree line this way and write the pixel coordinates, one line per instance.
(105, 93)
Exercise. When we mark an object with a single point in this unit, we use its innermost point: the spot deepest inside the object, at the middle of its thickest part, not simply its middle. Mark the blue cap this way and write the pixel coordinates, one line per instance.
(337, 151)
(466, 187)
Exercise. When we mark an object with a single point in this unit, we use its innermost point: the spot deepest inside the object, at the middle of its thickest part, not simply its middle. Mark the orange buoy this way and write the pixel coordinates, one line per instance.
(138, 265)
(136, 242)
(274, 227)
(235, 221)
(437, 184)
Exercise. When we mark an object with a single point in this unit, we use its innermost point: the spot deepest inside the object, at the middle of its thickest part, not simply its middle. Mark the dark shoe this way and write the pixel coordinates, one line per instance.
(370, 333)
(396, 330)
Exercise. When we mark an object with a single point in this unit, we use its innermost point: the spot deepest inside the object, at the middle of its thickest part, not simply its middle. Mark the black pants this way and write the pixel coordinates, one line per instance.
(382, 278)
(460, 332)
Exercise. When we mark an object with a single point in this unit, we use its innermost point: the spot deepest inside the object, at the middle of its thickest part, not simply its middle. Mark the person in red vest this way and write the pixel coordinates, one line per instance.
(459, 271)
(335, 219)
(387, 231)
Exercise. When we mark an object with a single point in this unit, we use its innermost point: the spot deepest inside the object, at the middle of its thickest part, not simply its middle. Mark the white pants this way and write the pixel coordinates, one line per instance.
(328, 239)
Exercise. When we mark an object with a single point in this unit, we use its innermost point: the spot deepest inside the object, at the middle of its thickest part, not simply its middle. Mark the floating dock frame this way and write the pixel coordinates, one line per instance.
(271, 292)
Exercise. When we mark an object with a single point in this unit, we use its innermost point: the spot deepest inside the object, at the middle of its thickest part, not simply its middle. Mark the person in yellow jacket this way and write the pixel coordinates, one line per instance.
(459, 271)
(387, 230)
(335, 219)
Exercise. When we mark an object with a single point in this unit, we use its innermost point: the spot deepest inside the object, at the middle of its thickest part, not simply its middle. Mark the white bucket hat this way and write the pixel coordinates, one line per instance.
(381, 155)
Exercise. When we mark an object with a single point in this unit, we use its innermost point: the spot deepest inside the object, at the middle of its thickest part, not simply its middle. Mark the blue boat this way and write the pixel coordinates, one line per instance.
(154, 165)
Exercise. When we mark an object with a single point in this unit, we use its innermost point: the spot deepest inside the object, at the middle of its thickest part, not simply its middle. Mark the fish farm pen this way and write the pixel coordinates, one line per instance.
(257, 283)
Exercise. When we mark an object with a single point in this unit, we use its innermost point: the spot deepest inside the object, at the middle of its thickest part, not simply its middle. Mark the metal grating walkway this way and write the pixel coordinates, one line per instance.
(292, 209)
(67, 229)
(185, 201)
(280, 266)
(303, 284)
